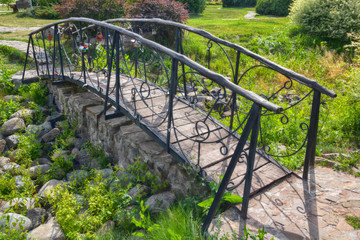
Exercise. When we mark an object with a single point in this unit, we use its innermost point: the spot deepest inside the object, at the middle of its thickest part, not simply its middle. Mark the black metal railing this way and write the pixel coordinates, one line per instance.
(155, 87)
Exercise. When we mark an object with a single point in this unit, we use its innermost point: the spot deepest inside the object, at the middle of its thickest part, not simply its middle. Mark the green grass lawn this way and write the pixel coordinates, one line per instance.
(230, 22)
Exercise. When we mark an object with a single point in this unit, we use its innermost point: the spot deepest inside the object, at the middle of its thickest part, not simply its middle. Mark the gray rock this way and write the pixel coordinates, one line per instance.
(37, 216)
(40, 161)
(38, 170)
(9, 167)
(79, 199)
(19, 181)
(139, 191)
(2, 136)
(83, 160)
(49, 231)
(4, 161)
(48, 186)
(125, 178)
(14, 98)
(12, 141)
(27, 203)
(39, 130)
(78, 176)
(51, 135)
(2, 145)
(106, 173)
(17, 221)
(58, 154)
(107, 227)
(14, 155)
(160, 202)
(56, 117)
(12, 126)
(23, 113)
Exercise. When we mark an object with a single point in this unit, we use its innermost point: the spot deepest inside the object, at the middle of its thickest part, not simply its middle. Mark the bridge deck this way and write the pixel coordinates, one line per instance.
(153, 110)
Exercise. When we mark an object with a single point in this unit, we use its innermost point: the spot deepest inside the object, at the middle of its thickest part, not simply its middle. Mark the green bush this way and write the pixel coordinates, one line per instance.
(47, 13)
(331, 19)
(194, 6)
(239, 3)
(273, 7)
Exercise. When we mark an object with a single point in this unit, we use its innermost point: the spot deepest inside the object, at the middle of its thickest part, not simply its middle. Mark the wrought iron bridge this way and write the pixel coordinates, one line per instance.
(210, 103)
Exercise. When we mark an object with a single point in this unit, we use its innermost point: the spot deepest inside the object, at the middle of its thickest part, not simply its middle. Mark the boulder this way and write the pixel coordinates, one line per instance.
(160, 202)
(2, 146)
(23, 113)
(38, 170)
(106, 173)
(19, 181)
(12, 126)
(37, 216)
(107, 227)
(14, 220)
(4, 161)
(27, 203)
(51, 135)
(9, 167)
(49, 231)
(39, 130)
(40, 161)
(139, 192)
(12, 141)
(13, 98)
(49, 186)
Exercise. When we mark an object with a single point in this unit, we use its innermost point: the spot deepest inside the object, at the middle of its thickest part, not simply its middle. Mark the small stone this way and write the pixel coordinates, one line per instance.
(12, 141)
(39, 130)
(14, 155)
(38, 170)
(51, 135)
(48, 186)
(75, 152)
(56, 117)
(334, 155)
(4, 161)
(28, 203)
(40, 161)
(15, 221)
(49, 231)
(23, 113)
(12, 126)
(37, 216)
(2, 146)
(160, 202)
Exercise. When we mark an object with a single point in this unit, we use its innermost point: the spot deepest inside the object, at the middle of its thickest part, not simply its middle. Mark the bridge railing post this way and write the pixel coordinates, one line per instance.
(233, 104)
(312, 134)
(82, 52)
(34, 54)
(109, 64)
(57, 34)
(252, 125)
(179, 48)
(26, 59)
(54, 53)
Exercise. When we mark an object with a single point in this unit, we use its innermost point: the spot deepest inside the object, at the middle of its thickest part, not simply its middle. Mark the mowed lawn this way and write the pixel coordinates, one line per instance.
(231, 22)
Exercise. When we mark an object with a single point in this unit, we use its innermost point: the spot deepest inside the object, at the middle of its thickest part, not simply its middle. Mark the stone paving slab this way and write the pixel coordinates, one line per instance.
(295, 209)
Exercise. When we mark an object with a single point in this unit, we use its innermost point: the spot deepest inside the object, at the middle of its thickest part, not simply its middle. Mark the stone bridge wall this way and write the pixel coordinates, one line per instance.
(120, 138)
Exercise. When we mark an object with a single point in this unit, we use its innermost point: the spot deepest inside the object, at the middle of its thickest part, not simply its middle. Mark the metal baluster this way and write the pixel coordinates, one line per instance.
(250, 166)
(233, 96)
(34, 54)
(54, 53)
(180, 46)
(46, 57)
(82, 54)
(173, 86)
(312, 134)
(60, 54)
(117, 62)
(253, 118)
(26, 58)
(109, 63)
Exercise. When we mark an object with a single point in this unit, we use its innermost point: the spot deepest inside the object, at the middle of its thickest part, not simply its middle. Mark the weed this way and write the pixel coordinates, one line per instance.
(353, 221)
(98, 153)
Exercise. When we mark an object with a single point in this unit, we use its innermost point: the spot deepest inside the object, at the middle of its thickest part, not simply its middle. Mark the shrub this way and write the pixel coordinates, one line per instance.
(273, 7)
(239, 3)
(47, 13)
(95, 9)
(331, 19)
(194, 6)
(165, 9)
(47, 3)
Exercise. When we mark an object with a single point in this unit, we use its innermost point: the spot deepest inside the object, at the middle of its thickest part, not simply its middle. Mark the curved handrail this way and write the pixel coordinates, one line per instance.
(287, 72)
(219, 79)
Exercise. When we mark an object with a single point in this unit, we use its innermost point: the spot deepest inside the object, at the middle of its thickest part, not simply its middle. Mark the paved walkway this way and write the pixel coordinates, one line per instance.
(295, 209)
(16, 29)
(250, 15)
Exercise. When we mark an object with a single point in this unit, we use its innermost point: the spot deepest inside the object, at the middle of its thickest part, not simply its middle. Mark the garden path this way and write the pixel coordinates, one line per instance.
(16, 29)
(296, 209)
(250, 15)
